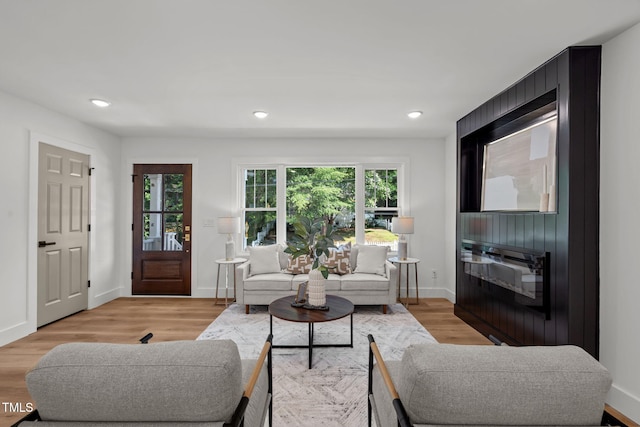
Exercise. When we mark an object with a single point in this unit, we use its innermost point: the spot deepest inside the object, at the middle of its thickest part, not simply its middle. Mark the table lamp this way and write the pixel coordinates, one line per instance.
(229, 225)
(402, 225)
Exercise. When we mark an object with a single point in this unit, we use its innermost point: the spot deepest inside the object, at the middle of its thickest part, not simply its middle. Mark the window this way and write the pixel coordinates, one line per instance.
(380, 206)
(260, 207)
(359, 200)
(327, 193)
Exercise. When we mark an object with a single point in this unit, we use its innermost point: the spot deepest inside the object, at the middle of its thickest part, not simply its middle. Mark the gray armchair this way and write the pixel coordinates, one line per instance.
(463, 385)
(179, 383)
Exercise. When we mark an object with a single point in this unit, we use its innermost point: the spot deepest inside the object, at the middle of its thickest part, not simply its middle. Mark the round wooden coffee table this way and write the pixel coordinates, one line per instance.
(338, 308)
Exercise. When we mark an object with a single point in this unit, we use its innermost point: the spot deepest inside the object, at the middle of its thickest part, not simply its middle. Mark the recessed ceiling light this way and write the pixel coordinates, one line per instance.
(100, 103)
(260, 114)
(414, 114)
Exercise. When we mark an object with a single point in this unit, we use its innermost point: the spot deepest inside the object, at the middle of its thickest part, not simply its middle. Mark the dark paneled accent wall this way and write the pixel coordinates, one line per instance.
(570, 235)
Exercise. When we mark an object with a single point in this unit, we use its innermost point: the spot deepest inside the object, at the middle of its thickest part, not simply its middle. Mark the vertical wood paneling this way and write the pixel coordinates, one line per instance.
(538, 233)
(504, 103)
(511, 231)
(511, 98)
(540, 82)
(518, 324)
(530, 88)
(520, 93)
(551, 75)
(528, 231)
(519, 231)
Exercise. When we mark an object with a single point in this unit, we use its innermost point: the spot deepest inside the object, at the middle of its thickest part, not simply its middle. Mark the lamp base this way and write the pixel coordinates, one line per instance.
(402, 249)
(229, 250)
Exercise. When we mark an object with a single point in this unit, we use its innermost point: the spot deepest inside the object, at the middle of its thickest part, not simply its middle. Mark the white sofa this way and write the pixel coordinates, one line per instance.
(373, 282)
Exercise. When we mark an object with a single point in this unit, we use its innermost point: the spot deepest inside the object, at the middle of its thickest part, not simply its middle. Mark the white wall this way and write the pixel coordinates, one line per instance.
(619, 228)
(215, 187)
(451, 190)
(19, 120)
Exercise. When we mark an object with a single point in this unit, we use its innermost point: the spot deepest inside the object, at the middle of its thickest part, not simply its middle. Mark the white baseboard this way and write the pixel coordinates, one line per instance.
(104, 297)
(14, 333)
(624, 402)
(431, 293)
(208, 292)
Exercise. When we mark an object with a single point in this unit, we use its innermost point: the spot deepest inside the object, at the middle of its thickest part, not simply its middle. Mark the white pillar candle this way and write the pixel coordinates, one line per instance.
(544, 178)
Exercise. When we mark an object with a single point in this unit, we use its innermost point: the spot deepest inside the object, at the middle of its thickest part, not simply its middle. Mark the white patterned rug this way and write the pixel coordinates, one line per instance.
(334, 391)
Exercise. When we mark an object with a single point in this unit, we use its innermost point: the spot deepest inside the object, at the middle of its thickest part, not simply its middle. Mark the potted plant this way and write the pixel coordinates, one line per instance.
(313, 238)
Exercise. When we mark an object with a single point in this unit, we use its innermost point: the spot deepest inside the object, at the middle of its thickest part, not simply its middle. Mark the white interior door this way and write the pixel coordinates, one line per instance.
(63, 233)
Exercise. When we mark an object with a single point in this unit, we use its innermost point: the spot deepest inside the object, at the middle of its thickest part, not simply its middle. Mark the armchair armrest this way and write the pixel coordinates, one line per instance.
(401, 413)
(238, 416)
(242, 274)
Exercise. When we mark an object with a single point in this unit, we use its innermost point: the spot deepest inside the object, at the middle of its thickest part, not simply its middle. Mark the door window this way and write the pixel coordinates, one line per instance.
(162, 215)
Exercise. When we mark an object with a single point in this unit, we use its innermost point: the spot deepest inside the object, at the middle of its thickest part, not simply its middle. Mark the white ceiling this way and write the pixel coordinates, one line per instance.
(329, 68)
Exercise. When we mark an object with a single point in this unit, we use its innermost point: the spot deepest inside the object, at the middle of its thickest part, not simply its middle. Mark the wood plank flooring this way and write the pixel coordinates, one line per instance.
(126, 320)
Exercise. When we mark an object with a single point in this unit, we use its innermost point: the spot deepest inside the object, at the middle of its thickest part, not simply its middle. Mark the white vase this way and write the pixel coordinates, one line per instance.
(316, 289)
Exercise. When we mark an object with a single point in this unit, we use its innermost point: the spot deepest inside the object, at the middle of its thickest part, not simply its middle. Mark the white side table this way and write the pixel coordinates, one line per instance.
(407, 262)
(227, 263)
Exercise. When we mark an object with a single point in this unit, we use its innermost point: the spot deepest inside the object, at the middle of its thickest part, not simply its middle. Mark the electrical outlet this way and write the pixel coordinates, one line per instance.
(434, 274)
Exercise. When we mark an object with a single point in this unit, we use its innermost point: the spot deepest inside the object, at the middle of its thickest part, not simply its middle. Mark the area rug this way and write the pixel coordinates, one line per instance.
(334, 391)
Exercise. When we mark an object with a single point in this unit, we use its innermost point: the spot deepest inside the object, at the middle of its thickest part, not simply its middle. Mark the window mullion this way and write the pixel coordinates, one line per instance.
(281, 202)
(360, 198)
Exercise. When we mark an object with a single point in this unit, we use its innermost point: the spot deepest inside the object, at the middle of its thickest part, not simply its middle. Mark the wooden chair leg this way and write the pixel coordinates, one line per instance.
(246, 308)
(384, 308)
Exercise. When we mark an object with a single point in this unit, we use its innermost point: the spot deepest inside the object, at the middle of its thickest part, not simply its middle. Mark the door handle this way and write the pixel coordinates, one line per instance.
(42, 243)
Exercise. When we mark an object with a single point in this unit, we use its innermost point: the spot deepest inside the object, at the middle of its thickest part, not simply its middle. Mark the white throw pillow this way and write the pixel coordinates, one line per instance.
(264, 259)
(371, 259)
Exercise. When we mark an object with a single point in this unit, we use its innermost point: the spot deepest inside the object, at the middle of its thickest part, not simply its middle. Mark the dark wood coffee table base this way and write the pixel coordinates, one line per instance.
(338, 308)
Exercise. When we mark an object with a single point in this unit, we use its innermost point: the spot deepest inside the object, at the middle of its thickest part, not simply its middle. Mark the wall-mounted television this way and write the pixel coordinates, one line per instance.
(519, 169)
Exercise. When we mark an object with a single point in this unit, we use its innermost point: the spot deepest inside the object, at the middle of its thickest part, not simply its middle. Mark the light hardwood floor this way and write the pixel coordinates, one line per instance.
(126, 320)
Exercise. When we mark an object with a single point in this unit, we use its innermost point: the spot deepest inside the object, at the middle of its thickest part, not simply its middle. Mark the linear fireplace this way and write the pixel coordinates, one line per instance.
(517, 276)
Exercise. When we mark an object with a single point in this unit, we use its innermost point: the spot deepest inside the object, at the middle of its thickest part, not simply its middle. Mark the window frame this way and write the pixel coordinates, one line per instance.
(399, 164)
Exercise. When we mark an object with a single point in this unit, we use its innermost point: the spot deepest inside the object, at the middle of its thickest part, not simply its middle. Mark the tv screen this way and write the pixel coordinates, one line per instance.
(520, 168)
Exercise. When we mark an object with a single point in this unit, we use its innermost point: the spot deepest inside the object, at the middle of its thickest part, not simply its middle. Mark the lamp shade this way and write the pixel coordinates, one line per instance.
(402, 225)
(229, 225)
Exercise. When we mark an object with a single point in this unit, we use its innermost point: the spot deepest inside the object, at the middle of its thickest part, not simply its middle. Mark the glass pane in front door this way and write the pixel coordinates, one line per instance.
(162, 215)
(152, 229)
(173, 232)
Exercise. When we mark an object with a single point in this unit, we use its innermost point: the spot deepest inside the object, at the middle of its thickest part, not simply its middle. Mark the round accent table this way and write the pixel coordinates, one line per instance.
(406, 262)
(338, 308)
(227, 263)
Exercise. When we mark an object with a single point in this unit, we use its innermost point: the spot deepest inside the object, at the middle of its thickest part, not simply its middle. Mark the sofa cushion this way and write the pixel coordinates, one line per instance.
(272, 281)
(264, 259)
(364, 282)
(167, 381)
(371, 259)
(299, 265)
(502, 385)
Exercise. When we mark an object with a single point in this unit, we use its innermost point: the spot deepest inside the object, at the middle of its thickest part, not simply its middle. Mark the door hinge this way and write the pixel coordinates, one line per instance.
(132, 275)
(131, 227)
(88, 227)
(88, 283)
(133, 178)
(91, 171)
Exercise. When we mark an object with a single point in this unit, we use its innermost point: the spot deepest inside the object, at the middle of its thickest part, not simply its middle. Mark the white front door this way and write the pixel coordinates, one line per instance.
(63, 233)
